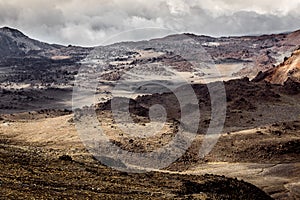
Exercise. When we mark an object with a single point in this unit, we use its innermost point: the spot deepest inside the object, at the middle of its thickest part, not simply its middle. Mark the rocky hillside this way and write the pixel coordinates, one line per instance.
(15, 47)
(289, 69)
(251, 53)
(14, 43)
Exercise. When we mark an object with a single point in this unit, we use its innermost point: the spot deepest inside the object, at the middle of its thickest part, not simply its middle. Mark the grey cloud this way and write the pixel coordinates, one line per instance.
(92, 22)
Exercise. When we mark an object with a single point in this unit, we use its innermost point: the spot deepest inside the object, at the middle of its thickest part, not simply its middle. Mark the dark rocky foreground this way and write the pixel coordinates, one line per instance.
(29, 173)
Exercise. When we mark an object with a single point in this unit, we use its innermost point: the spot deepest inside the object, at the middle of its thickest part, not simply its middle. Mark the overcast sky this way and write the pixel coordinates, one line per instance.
(90, 22)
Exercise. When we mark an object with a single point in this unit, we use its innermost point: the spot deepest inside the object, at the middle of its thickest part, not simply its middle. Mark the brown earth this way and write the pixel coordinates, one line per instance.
(44, 158)
(42, 154)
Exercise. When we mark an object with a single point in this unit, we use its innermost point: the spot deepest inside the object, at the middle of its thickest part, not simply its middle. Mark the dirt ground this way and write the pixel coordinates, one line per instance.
(42, 157)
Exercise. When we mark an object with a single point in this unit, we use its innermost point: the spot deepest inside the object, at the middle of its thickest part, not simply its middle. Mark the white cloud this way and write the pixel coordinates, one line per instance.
(178, 7)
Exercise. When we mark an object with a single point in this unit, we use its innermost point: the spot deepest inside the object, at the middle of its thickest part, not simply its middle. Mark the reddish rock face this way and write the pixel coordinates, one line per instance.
(289, 69)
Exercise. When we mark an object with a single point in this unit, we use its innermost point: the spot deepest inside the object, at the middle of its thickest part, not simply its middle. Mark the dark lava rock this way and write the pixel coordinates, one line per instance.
(65, 158)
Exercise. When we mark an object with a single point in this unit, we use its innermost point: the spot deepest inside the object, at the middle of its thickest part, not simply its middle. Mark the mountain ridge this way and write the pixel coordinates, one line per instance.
(14, 43)
(290, 33)
(251, 53)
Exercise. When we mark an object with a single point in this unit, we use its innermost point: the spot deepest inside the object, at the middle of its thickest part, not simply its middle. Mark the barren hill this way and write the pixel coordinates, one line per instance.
(14, 43)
